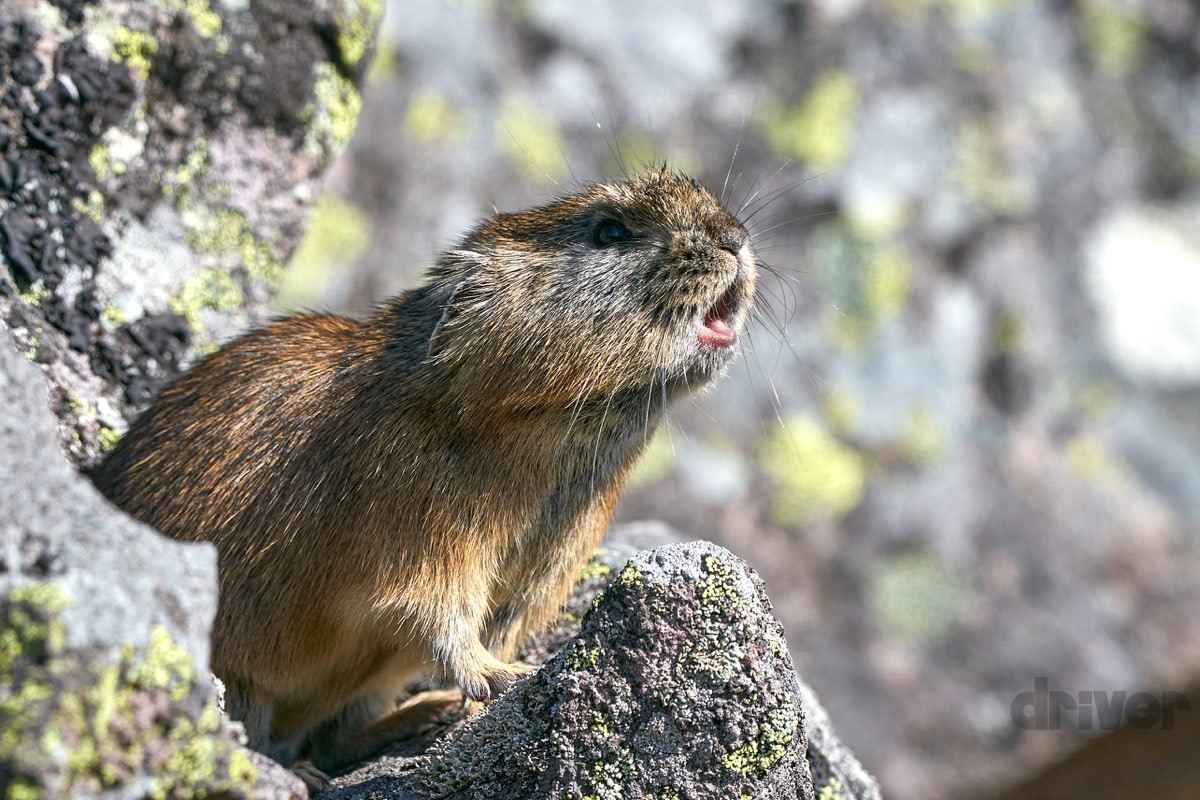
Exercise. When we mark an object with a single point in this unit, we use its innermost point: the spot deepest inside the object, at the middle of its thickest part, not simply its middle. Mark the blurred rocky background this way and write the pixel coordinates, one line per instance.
(963, 448)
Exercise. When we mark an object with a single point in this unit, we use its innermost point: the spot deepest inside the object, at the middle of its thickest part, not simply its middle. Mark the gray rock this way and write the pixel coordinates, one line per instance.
(104, 687)
(677, 683)
(160, 160)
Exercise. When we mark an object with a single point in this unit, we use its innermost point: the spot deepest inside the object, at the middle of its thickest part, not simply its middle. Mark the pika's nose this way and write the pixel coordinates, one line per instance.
(731, 241)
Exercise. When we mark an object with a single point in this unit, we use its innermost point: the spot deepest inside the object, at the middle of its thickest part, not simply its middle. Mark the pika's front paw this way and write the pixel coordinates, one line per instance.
(491, 682)
(314, 779)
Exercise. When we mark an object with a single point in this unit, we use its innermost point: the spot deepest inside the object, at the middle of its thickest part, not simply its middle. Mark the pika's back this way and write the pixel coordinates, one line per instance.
(252, 402)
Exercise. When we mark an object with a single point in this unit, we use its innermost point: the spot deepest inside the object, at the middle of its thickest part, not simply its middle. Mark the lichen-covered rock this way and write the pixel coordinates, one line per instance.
(157, 161)
(104, 689)
(677, 683)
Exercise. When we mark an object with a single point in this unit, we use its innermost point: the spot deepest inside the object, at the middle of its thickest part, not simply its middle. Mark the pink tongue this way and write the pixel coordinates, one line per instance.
(717, 333)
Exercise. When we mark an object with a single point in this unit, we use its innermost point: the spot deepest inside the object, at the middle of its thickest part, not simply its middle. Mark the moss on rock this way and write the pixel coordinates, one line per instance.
(75, 723)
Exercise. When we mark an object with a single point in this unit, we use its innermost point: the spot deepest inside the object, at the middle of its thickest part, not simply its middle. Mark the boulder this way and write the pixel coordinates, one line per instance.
(157, 164)
(668, 677)
(104, 683)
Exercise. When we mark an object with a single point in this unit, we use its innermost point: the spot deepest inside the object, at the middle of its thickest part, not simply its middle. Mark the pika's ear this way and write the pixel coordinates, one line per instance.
(447, 313)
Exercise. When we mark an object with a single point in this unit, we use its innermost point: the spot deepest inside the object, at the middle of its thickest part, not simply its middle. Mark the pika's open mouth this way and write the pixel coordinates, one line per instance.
(716, 331)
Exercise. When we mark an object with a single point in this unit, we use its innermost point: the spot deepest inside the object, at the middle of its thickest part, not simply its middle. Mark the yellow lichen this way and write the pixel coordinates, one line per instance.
(92, 206)
(212, 288)
(529, 139)
(98, 160)
(108, 439)
(657, 461)
(242, 770)
(717, 585)
(819, 130)
(333, 113)
(915, 597)
(982, 172)
(194, 163)
(922, 436)
(134, 49)
(1008, 334)
(579, 657)
(815, 475)
(595, 569)
(206, 21)
(1114, 34)
(429, 118)
(775, 733)
(339, 233)
(887, 283)
(841, 410)
(227, 230)
(868, 282)
(1089, 457)
(383, 63)
(357, 28)
(832, 790)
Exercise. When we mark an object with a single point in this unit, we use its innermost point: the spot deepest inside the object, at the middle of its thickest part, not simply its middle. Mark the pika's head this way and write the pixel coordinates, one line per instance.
(631, 286)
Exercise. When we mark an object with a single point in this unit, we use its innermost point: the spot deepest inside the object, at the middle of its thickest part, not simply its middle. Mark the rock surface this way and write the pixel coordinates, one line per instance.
(104, 689)
(676, 682)
(157, 162)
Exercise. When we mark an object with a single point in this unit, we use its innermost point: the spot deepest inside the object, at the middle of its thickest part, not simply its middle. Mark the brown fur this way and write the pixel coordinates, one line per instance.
(417, 492)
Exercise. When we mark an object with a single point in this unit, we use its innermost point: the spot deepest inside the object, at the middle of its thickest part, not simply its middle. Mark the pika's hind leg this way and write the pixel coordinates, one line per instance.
(367, 725)
(256, 713)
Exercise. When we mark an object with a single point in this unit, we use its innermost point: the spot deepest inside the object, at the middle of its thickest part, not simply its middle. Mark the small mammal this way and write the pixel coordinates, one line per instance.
(416, 492)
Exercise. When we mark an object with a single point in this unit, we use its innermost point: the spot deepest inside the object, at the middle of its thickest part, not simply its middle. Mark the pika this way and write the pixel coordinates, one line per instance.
(414, 493)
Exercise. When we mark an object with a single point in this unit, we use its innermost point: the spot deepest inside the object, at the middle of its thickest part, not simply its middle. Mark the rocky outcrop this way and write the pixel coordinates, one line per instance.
(104, 689)
(157, 162)
(667, 678)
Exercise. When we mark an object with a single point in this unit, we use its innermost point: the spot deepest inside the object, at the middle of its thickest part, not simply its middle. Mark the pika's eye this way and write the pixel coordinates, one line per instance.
(609, 231)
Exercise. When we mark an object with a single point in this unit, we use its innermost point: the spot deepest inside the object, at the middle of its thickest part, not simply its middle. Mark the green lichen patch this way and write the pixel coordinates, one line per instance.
(841, 410)
(134, 49)
(199, 13)
(816, 476)
(833, 790)
(211, 288)
(76, 723)
(922, 437)
(775, 734)
(31, 630)
(596, 567)
(819, 130)
(430, 118)
(579, 657)
(657, 461)
(357, 29)
(332, 114)
(339, 233)
(718, 586)
(1089, 457)
(868, 282)
(1114, 34)
(983, 174)
(226, 232)
(530, 140)
(915, 597)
